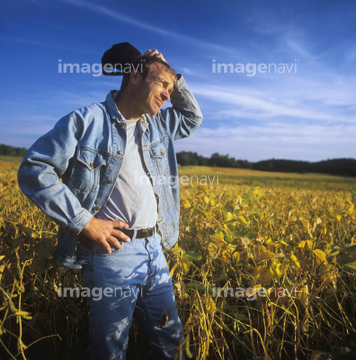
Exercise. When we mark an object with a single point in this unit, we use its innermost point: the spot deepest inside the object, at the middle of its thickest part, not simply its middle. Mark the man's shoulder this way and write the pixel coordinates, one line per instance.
(88, 113)
(91, 108)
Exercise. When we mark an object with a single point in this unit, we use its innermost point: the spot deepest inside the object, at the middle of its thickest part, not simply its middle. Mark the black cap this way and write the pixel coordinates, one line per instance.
(119, 58)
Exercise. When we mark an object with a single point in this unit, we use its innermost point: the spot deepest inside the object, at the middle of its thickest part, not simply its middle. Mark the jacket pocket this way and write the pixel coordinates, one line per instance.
(87, 169)
(158, 155)
(158, 152)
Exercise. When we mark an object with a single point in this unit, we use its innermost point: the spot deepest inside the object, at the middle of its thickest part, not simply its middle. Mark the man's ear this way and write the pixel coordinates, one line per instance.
(135, 77)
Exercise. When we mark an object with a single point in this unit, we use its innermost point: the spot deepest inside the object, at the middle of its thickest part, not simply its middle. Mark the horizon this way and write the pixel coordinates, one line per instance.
(273, 80)
(237, 159)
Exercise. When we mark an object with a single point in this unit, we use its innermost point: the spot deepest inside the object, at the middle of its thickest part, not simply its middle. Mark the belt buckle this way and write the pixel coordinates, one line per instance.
(146, 232)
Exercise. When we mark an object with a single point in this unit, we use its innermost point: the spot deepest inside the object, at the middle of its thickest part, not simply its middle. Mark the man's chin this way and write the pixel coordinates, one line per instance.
(153, 111)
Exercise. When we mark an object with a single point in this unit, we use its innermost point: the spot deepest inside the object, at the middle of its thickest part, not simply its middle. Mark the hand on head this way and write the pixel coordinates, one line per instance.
(154, 52)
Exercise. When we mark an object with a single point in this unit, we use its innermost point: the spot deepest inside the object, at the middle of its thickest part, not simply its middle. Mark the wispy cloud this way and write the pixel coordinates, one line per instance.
(298, 104)
(277, 140)
(27, 41)
(146, 26)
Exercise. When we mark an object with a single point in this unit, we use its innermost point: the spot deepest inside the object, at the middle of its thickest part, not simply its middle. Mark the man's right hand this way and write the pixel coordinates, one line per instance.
(154, 52)
(105, 232)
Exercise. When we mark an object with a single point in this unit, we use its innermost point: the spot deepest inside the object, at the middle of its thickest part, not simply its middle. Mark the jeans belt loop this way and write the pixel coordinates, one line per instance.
(134, 235)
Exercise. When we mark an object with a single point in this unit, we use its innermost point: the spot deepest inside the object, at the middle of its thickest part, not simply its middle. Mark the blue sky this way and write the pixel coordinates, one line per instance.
(291, 93)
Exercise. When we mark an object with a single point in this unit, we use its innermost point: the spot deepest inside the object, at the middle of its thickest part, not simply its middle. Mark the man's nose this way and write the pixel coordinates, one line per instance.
(165, 95)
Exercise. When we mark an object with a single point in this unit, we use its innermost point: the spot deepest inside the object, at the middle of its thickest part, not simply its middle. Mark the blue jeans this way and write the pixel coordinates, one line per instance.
(131, 281)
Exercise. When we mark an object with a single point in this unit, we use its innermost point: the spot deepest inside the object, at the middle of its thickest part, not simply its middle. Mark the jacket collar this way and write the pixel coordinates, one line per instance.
(111, 106)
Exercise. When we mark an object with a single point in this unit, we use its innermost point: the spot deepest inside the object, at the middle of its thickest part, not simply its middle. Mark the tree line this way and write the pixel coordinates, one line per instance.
(12, 151)
(341, 167)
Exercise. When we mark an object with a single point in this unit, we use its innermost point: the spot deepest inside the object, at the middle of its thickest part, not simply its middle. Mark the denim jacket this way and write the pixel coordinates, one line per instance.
(70, 172)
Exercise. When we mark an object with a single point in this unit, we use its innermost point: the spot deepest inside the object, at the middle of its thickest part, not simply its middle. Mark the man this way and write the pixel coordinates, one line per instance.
(103, 173)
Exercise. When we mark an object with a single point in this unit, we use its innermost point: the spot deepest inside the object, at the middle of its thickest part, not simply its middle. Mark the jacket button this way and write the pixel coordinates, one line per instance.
(97, 208)
(111, 181)
(121, 152)
(122, 124)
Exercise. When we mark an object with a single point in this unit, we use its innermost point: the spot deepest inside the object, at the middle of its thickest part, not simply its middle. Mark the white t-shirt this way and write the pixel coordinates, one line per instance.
(133, 199)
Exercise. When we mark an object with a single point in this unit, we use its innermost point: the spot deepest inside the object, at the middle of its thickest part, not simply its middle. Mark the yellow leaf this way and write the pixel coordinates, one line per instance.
(186, 266)
(268, 240)
(266, 276)
(285, 265)
(243, 219)
(328, 273)
(291, 221)
(186, 203)
(277, 268)
(265, 255)
(22, 313)
(213, 250)
(2, 268)
(295, 260)
(209, 303)
(175, 250)
(262, 274)
(235, 257)
(352, 265)
(218, 237)
(172, 270)
(307, 243)
(320, 256)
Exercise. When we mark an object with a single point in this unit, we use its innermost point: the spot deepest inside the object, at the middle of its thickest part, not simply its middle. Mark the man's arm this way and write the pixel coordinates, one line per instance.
(185, 116)
(38, 177)
(44, 164)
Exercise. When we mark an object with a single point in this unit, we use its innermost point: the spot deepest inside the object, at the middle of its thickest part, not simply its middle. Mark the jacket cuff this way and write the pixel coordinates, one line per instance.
(79, 222)
(179, 83)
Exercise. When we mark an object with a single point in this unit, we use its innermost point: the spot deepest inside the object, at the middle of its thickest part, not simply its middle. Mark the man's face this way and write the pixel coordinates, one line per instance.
(155, 90)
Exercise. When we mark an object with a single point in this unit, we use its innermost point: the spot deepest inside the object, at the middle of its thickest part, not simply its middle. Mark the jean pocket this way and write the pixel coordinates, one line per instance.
(99, 250)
